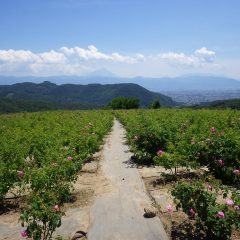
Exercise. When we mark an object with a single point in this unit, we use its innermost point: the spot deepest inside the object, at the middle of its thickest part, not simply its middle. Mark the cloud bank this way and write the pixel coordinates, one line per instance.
(200, 56)
(84, 61)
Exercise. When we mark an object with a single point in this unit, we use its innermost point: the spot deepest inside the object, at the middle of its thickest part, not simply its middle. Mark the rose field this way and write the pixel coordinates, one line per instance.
(198, 152)
(41, 154)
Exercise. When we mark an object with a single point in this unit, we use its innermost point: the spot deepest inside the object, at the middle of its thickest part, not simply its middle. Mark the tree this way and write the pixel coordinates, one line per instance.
(124, 103)
(156, 104)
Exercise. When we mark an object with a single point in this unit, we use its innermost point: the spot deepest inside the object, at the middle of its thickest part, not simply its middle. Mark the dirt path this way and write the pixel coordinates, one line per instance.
(119, 215)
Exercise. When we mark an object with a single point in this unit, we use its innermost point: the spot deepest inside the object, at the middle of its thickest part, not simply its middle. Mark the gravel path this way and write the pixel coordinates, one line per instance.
(119, 215)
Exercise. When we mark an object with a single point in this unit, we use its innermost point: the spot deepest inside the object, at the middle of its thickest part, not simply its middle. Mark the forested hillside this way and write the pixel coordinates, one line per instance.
(47, 95)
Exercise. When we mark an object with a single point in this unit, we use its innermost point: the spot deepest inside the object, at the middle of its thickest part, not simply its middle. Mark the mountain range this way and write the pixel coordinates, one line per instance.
(184, 83)
(96, 95)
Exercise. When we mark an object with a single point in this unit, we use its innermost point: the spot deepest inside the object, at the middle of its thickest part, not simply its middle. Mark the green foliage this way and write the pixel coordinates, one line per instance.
(124, 103)
(155, 104)
(201, 204)
(188, 138)
(14, 106)
(48, 96)
(42, 153)
(172, 161)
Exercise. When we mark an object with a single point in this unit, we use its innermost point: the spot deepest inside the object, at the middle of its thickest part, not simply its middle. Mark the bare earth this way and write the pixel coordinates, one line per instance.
(119, 215)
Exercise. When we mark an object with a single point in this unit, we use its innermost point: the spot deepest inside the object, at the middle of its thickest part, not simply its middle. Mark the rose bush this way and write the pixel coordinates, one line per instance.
(201, 204)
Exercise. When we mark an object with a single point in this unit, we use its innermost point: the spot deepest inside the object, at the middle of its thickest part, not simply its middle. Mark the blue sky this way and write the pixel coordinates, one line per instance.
(126, 37)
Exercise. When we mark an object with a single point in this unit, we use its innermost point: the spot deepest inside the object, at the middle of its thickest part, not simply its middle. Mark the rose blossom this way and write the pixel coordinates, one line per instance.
(24, 233)
(21, 173)
(69, 158)
(169, 208)
(192, 212)
(210, 188)
(236, 171)
(56, 208)
(213, 130)
(220, 214)
(160, 152)
(229, 202)
(237, 207)
(220, 162)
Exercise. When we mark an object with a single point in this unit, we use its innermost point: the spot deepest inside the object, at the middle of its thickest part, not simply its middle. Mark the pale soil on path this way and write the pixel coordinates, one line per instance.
(109, 199)
(118, 215)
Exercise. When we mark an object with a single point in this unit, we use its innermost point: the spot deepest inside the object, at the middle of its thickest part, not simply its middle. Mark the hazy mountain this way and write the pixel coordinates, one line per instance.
(220, 104)
(189, 83)
(96, 94)
(186, 83)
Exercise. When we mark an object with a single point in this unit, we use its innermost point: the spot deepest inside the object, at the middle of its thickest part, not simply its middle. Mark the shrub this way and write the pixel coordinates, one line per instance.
(218, 219)
(124, 103)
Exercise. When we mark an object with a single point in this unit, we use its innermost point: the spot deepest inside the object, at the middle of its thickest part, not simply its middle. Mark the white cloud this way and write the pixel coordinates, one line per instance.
(52, 57)
(177, 58)
(66, 60)
(92, 53)
(82, 61)
(69, 61)
(200, 56)
(26, 56)
(205, 55)
(65, 54)
(14, 56)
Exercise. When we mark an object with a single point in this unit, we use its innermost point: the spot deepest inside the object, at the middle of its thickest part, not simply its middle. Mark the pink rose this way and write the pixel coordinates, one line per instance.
(229, 202)
(237, 207)
(192, 212)
(213, 130)
(220, 162)
(56, 208)
(160, 152)
(236, 171)
(220, 214)
(210, 188)
(21, 173)
(24, 233)
(169, 208)
(69, 158)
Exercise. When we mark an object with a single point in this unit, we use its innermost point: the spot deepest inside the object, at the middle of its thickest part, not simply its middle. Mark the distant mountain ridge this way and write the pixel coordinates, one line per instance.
(220, 104)
(184, 83)
(94, 94)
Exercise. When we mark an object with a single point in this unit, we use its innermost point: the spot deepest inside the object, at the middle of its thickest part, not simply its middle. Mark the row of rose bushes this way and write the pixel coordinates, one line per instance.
(186, 138)
(178, 139)
(41, 154)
